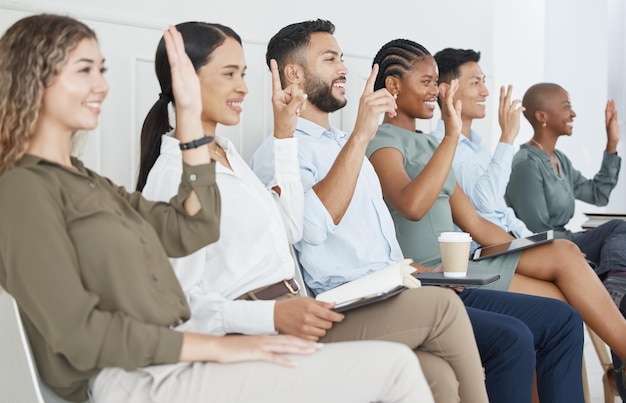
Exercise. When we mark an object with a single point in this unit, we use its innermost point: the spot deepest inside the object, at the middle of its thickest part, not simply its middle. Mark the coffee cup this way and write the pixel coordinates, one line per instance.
(455, 249)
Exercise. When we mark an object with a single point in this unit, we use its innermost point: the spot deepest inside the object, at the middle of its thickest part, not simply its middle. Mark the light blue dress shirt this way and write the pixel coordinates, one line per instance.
(483, 179)
(365, 239)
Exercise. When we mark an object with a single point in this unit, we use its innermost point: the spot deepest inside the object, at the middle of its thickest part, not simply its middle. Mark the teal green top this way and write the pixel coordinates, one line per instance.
(418, 239)
(546, 201)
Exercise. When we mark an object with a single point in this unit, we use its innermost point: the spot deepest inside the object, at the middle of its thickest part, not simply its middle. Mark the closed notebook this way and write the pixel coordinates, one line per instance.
(376, 286)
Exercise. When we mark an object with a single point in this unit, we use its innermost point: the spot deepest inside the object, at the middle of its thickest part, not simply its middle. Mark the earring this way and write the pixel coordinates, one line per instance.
(395, 97)
(543, 124)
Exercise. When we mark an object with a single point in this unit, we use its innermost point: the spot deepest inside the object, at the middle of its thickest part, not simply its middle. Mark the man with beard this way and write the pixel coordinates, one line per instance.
(442, 337)
(348, 231)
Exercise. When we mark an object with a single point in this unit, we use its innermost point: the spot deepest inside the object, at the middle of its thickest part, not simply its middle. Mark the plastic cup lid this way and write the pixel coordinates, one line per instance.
(454, 236)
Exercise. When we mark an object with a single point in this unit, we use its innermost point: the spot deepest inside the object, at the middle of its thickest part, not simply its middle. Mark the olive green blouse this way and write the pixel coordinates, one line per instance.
(87, 263)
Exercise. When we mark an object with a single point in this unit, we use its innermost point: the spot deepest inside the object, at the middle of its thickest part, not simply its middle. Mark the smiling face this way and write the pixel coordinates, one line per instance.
(325, 73)
(558, 113)
(223, 86)
(72, 101)
(418, 91)
(472, 91)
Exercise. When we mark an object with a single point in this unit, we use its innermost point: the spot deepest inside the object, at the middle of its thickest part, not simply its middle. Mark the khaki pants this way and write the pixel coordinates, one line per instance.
(433, 322)
(356, 372)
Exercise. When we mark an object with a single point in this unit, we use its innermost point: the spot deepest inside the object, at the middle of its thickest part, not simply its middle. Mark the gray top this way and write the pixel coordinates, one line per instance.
(418, 239)
(87, 263)
(543, 201)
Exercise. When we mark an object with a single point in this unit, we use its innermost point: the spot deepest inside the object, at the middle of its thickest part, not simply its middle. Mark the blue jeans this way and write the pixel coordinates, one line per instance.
(605, 245)
(518, 334)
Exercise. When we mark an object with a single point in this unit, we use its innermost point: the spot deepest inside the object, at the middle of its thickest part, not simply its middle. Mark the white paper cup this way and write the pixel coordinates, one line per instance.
(455, 248)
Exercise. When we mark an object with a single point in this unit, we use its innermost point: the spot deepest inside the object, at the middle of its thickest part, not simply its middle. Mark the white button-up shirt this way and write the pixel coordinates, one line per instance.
(254, 249)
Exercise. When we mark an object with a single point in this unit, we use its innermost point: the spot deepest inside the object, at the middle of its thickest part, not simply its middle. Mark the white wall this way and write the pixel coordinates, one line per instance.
(616, 85)
(578, 60)
(578, 44)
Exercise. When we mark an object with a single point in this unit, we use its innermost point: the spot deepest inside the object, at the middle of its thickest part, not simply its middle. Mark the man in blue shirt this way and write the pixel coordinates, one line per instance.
(482, 177)
(348, 230)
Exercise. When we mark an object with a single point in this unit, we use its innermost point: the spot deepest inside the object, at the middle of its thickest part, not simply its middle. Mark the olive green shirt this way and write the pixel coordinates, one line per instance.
(87, 263)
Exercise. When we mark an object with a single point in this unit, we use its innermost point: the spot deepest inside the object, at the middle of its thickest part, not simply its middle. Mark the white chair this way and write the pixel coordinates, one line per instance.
(305, 291)
(19, 379)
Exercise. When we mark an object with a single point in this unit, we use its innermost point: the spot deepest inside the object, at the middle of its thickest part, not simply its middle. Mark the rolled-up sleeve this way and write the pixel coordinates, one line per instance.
(318, 224)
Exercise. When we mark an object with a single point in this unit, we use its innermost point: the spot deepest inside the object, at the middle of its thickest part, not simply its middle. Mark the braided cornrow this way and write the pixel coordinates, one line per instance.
(395, 58)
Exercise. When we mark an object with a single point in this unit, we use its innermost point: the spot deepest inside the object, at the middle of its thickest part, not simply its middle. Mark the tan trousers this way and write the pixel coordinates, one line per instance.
(433, 322)
(356, 372)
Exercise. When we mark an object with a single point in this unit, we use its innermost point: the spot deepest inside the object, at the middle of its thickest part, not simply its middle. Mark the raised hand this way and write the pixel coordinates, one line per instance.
(612, 127)
(371, 106)
(450, 110)
(229, 349)
(509, 115)
(186, 91)
(185, 81)
(304, 317)
(287, 104)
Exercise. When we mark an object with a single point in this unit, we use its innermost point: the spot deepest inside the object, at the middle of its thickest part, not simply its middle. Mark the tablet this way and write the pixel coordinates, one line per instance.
(471, 280)
(513, 245)
(370, 299)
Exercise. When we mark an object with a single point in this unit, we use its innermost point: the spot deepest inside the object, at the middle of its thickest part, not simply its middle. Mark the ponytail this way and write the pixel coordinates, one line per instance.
(156, 124)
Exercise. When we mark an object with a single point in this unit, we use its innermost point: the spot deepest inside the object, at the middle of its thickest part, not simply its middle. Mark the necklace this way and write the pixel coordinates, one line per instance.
(554, 161)
(216, 152)
(538, 144)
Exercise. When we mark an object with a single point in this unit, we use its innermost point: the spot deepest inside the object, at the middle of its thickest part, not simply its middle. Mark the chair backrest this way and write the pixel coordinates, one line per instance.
(19, 379)
(305, 291)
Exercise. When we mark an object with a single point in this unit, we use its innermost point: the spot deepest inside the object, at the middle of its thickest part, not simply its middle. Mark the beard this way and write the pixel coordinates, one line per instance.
(320, 94)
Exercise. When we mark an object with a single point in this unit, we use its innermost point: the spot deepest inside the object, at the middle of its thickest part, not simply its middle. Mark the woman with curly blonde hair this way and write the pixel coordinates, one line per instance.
(22, 98)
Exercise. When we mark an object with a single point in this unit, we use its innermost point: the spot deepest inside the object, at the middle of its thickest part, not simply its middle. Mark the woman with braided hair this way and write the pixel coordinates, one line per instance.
(420, 190)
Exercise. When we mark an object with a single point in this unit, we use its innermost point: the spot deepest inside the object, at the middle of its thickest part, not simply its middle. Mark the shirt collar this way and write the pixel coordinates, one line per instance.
(314, 130)
(29, 159)
(474, 138)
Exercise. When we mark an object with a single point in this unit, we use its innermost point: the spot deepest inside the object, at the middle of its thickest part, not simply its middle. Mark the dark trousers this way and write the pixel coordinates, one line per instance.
(605, 246)
(518, 334)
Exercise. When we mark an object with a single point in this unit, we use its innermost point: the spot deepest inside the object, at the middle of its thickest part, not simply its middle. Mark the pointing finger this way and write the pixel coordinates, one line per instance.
(369, 85)
(276, 84)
